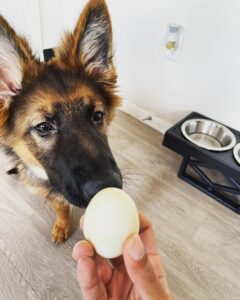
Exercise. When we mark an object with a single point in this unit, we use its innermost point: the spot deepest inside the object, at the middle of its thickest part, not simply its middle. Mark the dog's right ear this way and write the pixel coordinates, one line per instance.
(15, 56)
(89, 47)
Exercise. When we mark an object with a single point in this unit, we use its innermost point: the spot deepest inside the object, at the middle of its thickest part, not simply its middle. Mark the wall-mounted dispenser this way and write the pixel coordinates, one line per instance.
(173, 41)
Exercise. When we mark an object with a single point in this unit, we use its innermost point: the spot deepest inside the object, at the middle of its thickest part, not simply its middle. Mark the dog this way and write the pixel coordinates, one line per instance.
(54, 115)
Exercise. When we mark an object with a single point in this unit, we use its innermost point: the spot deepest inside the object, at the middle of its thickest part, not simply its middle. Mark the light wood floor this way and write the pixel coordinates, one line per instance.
(198, 239)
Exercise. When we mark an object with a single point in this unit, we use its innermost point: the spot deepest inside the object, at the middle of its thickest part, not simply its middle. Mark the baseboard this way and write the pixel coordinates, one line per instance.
(145, 117)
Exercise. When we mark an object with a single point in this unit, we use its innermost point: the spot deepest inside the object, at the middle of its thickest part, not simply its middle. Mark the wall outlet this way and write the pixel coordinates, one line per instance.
(173, 41)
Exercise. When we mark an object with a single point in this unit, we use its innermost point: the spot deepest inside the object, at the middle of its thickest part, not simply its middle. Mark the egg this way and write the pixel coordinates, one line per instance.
(110, 218)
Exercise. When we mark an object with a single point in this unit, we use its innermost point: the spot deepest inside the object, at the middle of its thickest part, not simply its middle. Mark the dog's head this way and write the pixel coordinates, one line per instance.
(54, 115)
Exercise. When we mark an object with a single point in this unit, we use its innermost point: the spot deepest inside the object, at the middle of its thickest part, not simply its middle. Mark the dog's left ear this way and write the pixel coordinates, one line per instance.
(15, 57)
(90, 45)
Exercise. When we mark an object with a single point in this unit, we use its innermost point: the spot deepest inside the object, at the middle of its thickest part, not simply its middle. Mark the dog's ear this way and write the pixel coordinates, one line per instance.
(15, 54)
(90, 45)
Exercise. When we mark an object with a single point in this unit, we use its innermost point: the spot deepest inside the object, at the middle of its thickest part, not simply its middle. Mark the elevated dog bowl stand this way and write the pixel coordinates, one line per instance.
(214, 173)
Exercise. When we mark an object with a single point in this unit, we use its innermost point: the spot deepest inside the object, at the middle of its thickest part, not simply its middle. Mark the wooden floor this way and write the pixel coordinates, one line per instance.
(198, 239)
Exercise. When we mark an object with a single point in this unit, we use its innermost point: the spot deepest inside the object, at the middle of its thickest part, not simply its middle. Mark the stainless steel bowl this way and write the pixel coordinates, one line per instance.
(236, 153)
(208, 134)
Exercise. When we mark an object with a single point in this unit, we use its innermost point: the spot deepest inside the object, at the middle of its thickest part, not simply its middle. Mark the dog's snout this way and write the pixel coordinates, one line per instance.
(92, 187)
(115, 180)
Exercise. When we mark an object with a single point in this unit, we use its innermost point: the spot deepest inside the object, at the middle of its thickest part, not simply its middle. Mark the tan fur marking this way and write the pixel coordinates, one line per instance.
(26, 156)
(98, 104)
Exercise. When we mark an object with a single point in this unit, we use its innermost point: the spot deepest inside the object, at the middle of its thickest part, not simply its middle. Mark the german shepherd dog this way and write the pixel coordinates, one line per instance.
(54, 116)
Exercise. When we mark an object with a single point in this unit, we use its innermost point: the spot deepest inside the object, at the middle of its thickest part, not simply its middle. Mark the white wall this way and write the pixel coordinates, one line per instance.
(58, 16)
(24, 16)
(207, 77)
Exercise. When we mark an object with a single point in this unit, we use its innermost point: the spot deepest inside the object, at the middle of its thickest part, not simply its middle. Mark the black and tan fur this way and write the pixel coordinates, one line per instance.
(54, 116)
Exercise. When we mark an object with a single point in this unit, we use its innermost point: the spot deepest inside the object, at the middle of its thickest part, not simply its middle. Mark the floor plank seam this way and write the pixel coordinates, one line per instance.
(19, 272)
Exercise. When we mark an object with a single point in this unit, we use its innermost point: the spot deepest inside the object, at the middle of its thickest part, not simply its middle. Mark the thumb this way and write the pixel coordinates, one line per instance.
(141, 271)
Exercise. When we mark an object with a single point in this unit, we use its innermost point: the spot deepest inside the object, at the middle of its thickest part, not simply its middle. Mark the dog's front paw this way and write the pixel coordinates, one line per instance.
(59, 233)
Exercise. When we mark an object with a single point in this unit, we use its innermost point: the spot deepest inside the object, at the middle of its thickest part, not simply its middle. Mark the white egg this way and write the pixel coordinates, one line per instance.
(110, 218)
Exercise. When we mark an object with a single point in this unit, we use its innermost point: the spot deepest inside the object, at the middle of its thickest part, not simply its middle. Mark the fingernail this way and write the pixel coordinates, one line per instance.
(135, 248)
(82, 248)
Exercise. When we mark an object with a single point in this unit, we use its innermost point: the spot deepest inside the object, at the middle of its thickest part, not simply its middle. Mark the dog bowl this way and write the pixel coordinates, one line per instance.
(236, 153)
(208, 134)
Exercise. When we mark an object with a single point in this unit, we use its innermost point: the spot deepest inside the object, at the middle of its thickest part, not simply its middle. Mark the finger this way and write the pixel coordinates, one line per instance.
(150, 246)
(81, 222)
(147, 235)
(91, 286)
(120, 285)
(117, 261)
(82, 248)
(144, 222)
(105, 270)
(141, 271)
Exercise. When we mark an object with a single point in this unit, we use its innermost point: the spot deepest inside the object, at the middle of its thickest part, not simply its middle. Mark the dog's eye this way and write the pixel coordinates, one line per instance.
(98, 116)
(44, 128)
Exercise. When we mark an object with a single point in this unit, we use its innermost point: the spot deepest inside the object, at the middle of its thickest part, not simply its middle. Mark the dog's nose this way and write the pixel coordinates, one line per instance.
(92, 187)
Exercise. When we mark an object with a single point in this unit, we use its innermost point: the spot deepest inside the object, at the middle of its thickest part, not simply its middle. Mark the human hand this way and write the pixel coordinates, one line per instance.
(138, 274)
